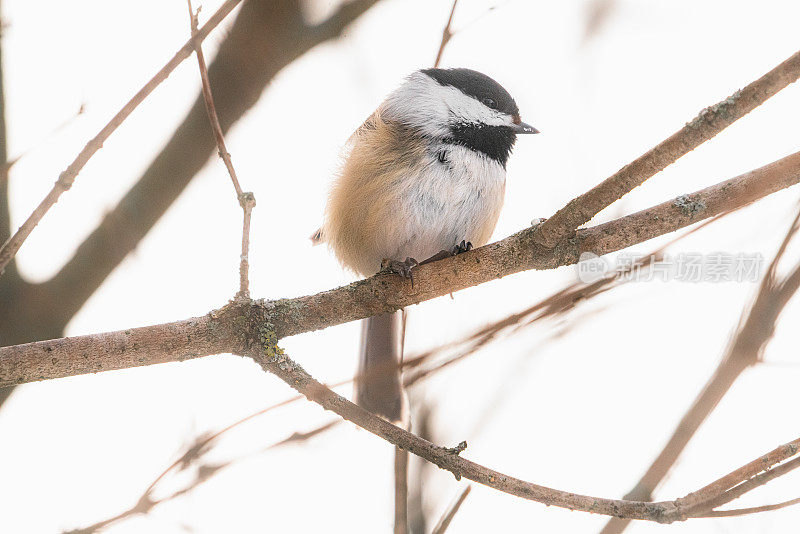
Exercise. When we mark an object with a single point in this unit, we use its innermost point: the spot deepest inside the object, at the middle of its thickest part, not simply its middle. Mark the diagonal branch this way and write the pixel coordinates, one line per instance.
(447, 34)
(265, 37)
(451, 512)
(755, 482)
(752, 510)
(449, 459)
(745, 348)
(706, 125)
(67, 177)
(239, 321)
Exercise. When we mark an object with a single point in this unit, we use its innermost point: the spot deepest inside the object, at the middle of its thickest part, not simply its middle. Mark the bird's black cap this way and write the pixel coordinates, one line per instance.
(476, 85)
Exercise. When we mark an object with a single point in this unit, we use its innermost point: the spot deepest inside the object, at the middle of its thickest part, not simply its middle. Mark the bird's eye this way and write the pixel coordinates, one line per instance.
(488, 102)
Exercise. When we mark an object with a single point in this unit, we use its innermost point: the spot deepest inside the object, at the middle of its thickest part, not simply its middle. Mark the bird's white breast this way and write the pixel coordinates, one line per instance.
(400, 195)
(446, 201)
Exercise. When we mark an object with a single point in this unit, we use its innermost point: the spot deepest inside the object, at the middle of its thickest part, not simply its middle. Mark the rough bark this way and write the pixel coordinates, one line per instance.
(385, 292)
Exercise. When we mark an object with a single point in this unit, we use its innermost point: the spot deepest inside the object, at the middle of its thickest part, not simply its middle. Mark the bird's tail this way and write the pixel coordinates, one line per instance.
(378, 386)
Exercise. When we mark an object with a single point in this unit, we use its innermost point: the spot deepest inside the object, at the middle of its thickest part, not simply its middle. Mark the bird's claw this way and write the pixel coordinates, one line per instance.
(403, 268)
(464, 246)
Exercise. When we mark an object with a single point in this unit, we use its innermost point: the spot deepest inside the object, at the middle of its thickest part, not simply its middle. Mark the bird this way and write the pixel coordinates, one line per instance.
(422, 178)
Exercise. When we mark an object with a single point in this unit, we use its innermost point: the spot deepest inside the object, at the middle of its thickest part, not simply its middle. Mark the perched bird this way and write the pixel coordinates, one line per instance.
(424, 178)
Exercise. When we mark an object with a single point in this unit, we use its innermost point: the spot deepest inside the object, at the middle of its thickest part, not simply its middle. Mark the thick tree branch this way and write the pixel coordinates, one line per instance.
(178, 341)
(706, 125)
(385, 292)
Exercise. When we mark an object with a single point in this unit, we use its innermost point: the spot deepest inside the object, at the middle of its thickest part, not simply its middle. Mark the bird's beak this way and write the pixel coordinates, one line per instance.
(522, 127)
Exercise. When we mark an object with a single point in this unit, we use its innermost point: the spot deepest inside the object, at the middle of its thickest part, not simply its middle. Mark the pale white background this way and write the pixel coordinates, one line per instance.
(585, 413)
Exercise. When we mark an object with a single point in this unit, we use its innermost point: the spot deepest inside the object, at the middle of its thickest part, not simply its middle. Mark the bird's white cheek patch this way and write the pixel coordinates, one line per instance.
(468, 110)
(423, 102)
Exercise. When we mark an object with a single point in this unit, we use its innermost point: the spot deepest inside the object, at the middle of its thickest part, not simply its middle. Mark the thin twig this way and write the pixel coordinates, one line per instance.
(203, 472)
(752, 510)
(749, 485)
(246, 199)
(447, 34)
(451, 512)
(66, 179)
(706, 125)
(4, 169)
(248, 202)
(708, 493)
(209, 100)
(300, 437)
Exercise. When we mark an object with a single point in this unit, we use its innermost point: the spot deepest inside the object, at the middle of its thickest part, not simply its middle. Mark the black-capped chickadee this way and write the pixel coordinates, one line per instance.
(425, 173)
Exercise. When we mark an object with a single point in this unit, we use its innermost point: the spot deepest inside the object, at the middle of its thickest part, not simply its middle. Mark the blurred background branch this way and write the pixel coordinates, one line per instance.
(266, 36)
(744, 350)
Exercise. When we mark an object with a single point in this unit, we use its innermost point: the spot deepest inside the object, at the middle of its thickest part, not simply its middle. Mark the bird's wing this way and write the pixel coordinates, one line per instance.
(369, 125)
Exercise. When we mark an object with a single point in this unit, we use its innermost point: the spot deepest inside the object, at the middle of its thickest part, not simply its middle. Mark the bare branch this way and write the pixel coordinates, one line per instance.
(300, 437)
(246, 200)
(449, 459)
(751, 484)
(447, 34)
(744, 350)
(695, 500)
(171, 342)
(385, 292)
(451, 512)
(66, 179)
(202, 473)
(400, 491)
(209, 101)
(753, 510)
(706, 125)
(265, 37)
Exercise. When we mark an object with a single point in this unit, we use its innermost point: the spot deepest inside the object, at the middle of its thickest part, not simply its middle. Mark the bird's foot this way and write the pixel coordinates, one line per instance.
(464, 246)
(403, 268)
